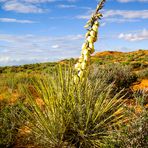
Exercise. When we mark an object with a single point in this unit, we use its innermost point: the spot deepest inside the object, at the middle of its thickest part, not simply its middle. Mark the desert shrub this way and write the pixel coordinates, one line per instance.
(118, 74)
(134, 134)
(11, 81)
(125, 63)
(130, 58)
(97, 61)
(1, 71)
(9, 125)
(136, 65)
(72, 115)
(143, 73)
(141, 97)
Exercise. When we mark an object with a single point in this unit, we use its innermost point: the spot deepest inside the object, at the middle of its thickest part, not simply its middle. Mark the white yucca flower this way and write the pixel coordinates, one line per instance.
(88, 46)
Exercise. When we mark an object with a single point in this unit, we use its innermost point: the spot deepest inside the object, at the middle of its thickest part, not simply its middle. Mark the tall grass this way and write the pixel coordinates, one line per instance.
(72, 115)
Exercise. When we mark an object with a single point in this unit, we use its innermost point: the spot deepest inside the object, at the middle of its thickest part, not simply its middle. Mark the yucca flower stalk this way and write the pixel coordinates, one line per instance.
(88, 46)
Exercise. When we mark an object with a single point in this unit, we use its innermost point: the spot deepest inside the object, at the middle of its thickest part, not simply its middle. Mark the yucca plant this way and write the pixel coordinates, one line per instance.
(73, 113)
(70, 115)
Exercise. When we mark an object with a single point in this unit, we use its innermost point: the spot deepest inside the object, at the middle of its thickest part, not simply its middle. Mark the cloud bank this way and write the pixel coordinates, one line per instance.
(133, 37)
(20, 49)
(12, 20)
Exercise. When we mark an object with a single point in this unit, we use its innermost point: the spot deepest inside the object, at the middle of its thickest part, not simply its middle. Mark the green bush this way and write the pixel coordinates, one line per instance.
(136, 65)
(141, 97)
(134, 134)
(120, 75)
(143, 73)
(9, 125)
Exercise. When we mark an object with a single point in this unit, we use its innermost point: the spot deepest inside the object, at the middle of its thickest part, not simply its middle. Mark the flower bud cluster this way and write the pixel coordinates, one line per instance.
(87, 50)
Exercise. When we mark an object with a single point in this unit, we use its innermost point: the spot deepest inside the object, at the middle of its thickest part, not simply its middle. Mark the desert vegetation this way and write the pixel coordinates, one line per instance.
(93, 101)
(49, 110)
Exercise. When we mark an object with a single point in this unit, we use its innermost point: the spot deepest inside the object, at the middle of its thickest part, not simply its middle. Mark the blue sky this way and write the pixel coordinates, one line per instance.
(49, 30)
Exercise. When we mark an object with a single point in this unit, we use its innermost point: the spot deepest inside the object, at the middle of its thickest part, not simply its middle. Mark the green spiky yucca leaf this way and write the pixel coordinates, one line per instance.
(78, 116)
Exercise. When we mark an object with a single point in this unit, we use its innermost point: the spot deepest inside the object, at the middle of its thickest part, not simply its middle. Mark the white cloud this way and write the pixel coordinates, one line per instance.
(31, 6)
(38, 1)
(29, 1)
(32, 48)
(46, 1)
(138, 36)
(12, 20)
(120, 20)
(83, 17)
(4, 58)
(126, 1)
(128, 14)
(21, 7)
(71, 0)
(73, 6)
(55, 46)
(66, 6)
(8, 60)
(118, 16)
